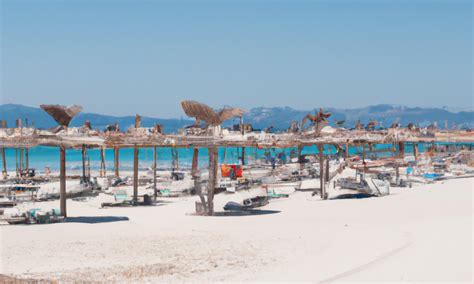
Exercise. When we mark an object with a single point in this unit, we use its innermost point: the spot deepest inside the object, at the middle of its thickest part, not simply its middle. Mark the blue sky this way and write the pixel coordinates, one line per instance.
(127, 57)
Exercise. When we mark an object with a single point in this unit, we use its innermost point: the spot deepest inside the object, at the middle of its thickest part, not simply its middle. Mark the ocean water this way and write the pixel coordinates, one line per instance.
(42, 156)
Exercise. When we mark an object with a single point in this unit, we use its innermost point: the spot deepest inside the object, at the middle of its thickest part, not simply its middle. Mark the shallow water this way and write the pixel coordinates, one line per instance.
(42, 156)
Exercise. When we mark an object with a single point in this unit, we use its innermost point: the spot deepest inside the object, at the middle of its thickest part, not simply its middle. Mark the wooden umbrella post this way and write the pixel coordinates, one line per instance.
(135, 175)
(4, 161)
(213, 163)
(62, 180)
(27, 158)
(300, 157)
(155, 190)
(415, 150)
(16, 162)
(321, 171)
(103, 171)
(401, 150)
(83, 163)
(21, 160)
(347, 151)
(4, 156)
(116, 161)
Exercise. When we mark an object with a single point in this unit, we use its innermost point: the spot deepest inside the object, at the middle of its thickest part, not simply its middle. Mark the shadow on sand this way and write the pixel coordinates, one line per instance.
(244, 213)
(96, 219)
(352, 196)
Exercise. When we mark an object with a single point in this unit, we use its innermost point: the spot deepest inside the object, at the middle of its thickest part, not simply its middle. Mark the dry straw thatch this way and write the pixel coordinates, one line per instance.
(205, 113)
(62, 114)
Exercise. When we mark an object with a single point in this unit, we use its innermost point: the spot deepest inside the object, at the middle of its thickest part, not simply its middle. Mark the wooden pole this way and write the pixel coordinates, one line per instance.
(4, 156)
(103, 171)
(116, 161)
(62, 180)
(18, 125)
(242, 130)
(213, 155)
(138, 122)
(300, 157)
(155, 191)
(196, 178)
(27, 158)
(415, 150)
(16, 161)
(135, 175)
(326, 172)
(347, 151)
(4, 160)
(323, 180)
(177, 158)
(84, 163)
(397, 175)
(88, 168)
(21, 160)
(401, 150)
(321, 171)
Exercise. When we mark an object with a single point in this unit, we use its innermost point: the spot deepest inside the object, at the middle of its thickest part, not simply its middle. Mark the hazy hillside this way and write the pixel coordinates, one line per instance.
(41, 119)
(260, 117)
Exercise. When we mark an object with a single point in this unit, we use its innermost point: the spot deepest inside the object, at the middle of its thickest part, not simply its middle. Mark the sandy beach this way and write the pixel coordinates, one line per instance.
(422, 233)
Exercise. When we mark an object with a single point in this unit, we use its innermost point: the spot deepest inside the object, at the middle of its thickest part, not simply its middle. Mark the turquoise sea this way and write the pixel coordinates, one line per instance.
(41, 156)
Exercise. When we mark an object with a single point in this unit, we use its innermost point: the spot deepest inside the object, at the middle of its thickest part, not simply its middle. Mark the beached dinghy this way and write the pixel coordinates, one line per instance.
(370, 186)
(247, 204)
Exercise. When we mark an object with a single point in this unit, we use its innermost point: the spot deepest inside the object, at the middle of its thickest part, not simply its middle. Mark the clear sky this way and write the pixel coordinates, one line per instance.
(127, 57)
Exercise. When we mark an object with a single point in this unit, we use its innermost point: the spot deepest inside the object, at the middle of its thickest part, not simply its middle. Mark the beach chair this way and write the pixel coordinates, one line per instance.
(121, 196)
(121, 199)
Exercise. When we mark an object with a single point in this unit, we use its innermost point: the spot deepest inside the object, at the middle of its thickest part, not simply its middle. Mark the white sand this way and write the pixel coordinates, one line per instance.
(418, 234)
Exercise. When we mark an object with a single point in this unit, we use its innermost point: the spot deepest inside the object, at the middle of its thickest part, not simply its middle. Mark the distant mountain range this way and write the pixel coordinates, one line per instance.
(260, 117)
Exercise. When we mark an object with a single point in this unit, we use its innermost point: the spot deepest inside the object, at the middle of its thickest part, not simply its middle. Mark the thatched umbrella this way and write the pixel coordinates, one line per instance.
(205, 113)
(319, 119)
(63, 115)
(202, 112)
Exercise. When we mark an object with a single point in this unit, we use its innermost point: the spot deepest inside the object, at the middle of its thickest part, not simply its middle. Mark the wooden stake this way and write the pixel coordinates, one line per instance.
(300, 157)
(62, 180)
(135, 175)
(326, 176)
(347, 151)
(18, 125)
(213, 156)
(321, 170)
(116, 161)
(21, 160)
(155, 190)
(4, 156)
(27, 158)
(415, 150)
(397, 175)
(16, 161)
(84, 163)
(196, 177)
(103, 171)
(401, 149)
(4, 160)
